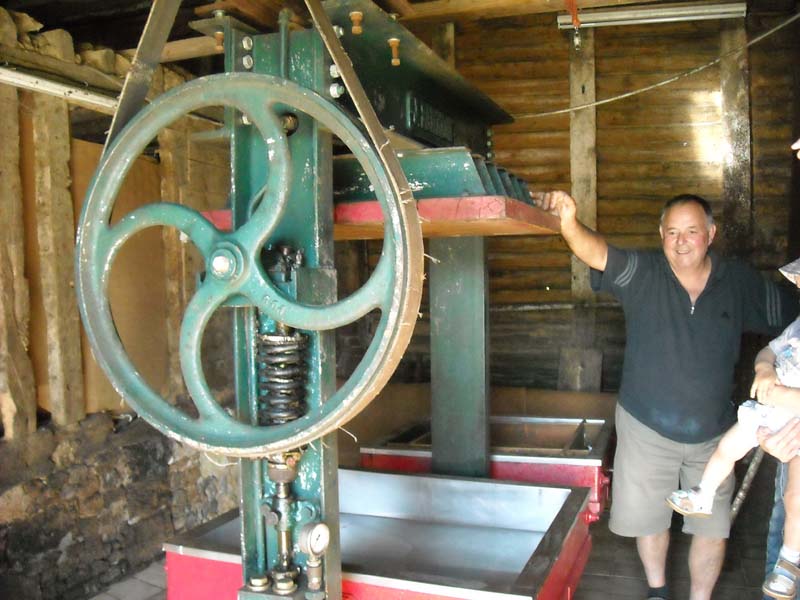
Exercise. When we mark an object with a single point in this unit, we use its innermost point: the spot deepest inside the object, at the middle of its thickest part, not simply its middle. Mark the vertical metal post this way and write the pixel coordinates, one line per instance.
(307, 225)
(459, 356)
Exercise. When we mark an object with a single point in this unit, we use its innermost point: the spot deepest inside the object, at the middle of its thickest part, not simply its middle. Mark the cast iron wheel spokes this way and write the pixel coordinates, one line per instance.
(233, 268)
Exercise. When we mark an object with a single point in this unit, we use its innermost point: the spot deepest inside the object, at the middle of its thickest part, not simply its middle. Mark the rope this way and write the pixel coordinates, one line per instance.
(688, 73)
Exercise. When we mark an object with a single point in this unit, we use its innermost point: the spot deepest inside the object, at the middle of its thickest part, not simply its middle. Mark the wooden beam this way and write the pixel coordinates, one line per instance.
(262, 14)
(172, 173)
(580, 363)
(11, 207)
(82, 74)
(17, 389)
(194, 47)
(190, 48)
(737, 192)
(582, 153)
(444, 43)
(447, 10)
(55, 231)
(402, 8)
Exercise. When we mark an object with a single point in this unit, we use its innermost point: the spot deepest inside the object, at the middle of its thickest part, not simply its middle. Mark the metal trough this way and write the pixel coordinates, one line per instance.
(560, 451)
(420, 537)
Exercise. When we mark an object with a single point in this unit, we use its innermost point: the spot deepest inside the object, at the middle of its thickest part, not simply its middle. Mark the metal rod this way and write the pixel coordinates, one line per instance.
(145, 61)
(747, 481)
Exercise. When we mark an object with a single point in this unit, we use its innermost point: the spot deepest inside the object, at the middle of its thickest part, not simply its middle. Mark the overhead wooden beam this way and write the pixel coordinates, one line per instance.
(446, 10)
(195, 47)
(190, 48)
(402, 8)
(88, 76)
(262, 14)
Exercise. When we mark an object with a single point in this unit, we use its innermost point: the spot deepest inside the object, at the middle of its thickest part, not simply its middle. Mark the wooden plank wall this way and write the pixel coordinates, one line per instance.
(661, 143)
(650, 147)
(774, 97)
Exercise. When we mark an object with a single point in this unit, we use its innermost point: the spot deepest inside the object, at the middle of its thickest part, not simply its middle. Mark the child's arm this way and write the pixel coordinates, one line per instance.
(765, 376)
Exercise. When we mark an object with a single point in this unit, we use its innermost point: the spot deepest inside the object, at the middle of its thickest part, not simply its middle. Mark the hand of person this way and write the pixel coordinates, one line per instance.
(558, 203)
(763, 382)
(784, 443)
(796, 146)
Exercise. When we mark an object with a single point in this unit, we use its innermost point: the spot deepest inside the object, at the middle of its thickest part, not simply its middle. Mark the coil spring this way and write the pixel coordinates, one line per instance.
(282, 376)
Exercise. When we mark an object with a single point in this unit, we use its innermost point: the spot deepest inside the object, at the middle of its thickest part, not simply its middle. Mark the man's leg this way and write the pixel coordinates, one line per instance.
(705, 563)
(775, 535)
(653, 554)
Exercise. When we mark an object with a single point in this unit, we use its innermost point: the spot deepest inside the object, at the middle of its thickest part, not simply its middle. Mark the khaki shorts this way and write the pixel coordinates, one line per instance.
(647, 468)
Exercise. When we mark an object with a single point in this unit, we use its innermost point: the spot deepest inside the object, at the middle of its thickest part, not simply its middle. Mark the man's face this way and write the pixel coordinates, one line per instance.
(686, 236)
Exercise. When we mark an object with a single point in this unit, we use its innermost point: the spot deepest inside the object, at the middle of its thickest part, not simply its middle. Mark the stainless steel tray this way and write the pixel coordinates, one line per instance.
(462, 538)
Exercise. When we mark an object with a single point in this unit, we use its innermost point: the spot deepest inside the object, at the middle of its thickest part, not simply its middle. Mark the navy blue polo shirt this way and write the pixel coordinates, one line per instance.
(677, 377)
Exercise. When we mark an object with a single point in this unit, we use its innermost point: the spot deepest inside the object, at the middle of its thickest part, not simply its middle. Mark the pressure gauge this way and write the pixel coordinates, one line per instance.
(314, 538)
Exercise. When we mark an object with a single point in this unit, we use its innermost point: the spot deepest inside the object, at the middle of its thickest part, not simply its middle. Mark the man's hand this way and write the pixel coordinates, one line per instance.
(765, 379)
(558, 203)
(782, 444)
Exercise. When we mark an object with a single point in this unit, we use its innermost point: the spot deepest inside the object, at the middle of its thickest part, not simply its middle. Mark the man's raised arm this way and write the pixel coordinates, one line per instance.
(589, 246)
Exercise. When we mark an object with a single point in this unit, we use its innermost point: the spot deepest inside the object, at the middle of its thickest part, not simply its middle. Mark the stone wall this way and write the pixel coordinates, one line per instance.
(84, 505)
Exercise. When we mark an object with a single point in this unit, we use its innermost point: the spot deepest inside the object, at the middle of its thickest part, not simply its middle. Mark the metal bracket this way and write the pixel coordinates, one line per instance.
(145, 61)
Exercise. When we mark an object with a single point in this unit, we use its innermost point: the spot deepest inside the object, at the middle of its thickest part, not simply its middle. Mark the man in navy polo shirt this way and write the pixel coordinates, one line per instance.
(685, 311)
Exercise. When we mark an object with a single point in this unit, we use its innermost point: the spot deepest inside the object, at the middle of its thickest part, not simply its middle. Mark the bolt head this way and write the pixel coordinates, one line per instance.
(336, 90)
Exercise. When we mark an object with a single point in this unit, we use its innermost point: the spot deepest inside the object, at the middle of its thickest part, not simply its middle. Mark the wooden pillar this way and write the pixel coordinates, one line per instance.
(55, 233)
(444, 43)
(580, 362)
(737, 193)
(17, 388)
(172, 145)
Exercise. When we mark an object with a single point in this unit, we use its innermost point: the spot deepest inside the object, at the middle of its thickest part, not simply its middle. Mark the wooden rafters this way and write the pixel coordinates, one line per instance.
(444, 10)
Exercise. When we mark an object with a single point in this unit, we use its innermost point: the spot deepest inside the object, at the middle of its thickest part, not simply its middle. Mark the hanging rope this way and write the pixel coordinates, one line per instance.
(688, 73)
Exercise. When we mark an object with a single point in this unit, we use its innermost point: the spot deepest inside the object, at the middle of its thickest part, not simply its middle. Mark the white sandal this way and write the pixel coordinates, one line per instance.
(690, 502)
(782, 582)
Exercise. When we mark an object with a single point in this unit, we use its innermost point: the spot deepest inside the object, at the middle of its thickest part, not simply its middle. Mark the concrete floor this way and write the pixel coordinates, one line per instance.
(148, 584)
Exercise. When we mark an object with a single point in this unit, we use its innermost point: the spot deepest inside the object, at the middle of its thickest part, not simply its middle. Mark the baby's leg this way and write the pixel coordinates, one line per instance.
(699, 500)
(734, 445)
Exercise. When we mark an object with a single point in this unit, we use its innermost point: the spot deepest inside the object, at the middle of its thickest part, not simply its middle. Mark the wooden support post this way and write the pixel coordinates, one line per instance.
(582, 155)
(17, 389)
(55, 231)
(580, 363)
(737, 193)
(172, 145)
(444, 43)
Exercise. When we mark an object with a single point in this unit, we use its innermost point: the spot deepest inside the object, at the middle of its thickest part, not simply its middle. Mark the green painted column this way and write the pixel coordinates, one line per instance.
(459, 356)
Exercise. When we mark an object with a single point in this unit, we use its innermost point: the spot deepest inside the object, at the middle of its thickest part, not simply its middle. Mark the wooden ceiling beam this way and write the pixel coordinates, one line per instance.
(446, 10)
(262, 14)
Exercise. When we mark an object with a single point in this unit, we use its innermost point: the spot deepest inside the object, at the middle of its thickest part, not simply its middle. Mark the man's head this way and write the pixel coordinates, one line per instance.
(687, 230)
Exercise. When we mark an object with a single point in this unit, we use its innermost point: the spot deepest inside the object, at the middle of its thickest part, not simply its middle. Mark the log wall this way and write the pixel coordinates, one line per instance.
(684, 137)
